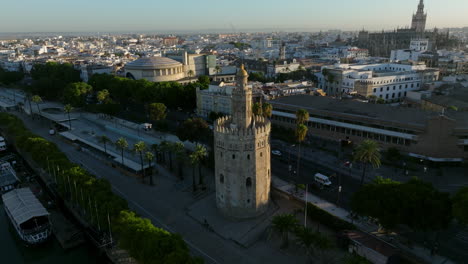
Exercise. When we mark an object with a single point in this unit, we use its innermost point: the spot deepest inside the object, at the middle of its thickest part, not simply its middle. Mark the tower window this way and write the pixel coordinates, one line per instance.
(248, 156)
(248, 200)
(233, 156)
(248, 182)
(261, 154)
(221, 178)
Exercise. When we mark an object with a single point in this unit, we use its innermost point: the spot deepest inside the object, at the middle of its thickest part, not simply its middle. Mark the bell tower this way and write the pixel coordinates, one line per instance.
(419, 19)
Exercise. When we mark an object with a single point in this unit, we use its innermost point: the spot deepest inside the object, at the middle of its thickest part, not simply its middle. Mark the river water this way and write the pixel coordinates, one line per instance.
(13, 251)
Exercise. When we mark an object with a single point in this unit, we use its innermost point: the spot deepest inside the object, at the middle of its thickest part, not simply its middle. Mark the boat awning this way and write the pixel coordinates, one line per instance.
(23, 205)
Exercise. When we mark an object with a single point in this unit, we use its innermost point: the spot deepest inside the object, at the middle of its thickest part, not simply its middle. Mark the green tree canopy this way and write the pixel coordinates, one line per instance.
(194, 130)
(157, 111)
(75, 93)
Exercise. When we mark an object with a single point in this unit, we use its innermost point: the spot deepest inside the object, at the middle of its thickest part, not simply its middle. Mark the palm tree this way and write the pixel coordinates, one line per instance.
(257, 109)
(104, 140)
(284, 224)
(305, 237)
(301, 133)
(190, 73)
(302, 116)
(156, 151)
(138, 148)
(217, 70)
(202, 154)
(149, 156)
(121, 144)
(267, 110)
(368, 152)
(166, 147)
(194, 161)
(180, 153)
(68, 108)
(37, 99)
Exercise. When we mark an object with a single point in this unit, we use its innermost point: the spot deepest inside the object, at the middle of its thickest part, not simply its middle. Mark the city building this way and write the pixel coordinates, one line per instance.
(433, 136)
(382, 43)
(155, 69)
(242, 157)
(417, 47)
(170, 41)
(217, 98)
(282, 66)
(389, 81)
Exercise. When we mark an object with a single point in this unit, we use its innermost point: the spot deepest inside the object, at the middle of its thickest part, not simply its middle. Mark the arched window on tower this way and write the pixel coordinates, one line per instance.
(248, 182)
(221, 178)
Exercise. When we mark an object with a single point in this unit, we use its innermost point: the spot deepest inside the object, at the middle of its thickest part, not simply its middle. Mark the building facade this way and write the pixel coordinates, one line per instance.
(389, 81)
(423, 134)
(242, 157)
(382, 43)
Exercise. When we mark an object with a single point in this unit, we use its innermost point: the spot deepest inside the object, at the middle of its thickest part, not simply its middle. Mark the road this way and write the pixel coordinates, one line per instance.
(165, 205)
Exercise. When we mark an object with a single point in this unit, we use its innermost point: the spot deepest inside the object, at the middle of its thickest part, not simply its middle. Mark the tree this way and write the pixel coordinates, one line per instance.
(194, 130)
(37, 99)
(415, 203)
(302, 116)
(75, 93)
(102, 96)
(198, 156)
(217, 70)
(68, 108)
(104, 140)
(122, 145)
(181, 156)
(267, 110)
(139, 148)
(460, 206)
(204, 81)
(194, 161)
(368, 153)
(301, 133)
(257, 109)
(157, 111)
(284, 224)
(167, 147)
(190, 73)
(149, 157)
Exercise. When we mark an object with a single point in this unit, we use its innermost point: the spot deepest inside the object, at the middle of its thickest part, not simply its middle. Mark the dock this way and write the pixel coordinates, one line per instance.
(67, 234)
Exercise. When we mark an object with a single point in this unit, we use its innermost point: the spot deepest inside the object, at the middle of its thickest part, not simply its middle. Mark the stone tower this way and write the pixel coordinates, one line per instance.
(242, 157)
(282, 51)
(419, 19)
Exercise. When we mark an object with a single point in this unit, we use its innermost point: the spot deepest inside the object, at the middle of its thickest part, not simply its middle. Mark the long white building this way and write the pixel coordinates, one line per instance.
(389, 81)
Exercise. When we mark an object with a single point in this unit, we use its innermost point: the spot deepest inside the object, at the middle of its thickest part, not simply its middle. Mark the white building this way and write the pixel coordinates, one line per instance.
(283, 66)
(417, 47)
(389, 81)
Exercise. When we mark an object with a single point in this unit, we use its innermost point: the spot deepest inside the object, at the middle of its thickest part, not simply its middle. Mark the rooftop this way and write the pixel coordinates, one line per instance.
(150, 63)
(402, 115)
(23, 205)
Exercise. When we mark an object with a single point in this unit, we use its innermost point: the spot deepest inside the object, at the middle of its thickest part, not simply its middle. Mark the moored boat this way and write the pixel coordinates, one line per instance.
(27, 215)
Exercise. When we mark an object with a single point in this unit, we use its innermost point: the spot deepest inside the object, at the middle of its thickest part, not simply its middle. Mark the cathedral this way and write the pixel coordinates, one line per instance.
(242, 157)
(380, 44)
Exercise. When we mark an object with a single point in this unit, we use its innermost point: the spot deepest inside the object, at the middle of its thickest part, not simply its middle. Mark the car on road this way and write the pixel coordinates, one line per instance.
(3, 145)
(277, 153)
(322, 180)
(52, 132)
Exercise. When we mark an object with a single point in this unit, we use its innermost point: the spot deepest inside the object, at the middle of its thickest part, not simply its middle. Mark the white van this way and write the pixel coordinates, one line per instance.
(322, 179)
(3, 146)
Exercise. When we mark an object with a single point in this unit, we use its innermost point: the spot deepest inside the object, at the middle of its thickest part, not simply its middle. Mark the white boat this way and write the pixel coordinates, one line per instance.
(28, 216)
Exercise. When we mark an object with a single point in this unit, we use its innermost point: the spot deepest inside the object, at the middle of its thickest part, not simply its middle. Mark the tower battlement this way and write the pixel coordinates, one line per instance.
(260, 125)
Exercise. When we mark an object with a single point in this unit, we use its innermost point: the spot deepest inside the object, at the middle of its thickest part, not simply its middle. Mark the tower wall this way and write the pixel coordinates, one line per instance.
(243, 176)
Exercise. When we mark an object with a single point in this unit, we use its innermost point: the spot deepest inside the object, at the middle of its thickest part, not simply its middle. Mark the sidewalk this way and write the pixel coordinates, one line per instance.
(365, 226)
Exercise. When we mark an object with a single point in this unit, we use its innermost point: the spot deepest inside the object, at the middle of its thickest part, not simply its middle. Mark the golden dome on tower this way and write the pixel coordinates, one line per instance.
(242, 72)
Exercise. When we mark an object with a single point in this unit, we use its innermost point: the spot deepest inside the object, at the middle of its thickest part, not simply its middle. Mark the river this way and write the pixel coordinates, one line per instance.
(13, 251)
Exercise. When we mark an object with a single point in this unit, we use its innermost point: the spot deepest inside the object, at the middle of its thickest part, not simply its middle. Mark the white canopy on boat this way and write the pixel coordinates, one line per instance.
(23, 205)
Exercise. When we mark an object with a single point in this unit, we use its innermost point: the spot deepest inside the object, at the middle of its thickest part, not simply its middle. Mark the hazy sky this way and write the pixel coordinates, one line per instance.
(164, 15)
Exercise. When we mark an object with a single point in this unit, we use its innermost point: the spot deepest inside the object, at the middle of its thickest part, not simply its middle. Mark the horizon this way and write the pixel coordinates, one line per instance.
(51, 16)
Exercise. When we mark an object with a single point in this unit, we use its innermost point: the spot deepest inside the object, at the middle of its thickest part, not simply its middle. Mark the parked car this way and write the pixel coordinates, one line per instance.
(276, 153)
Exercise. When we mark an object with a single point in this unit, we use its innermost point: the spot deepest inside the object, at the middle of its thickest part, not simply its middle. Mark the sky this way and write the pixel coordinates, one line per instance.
(222, 15)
